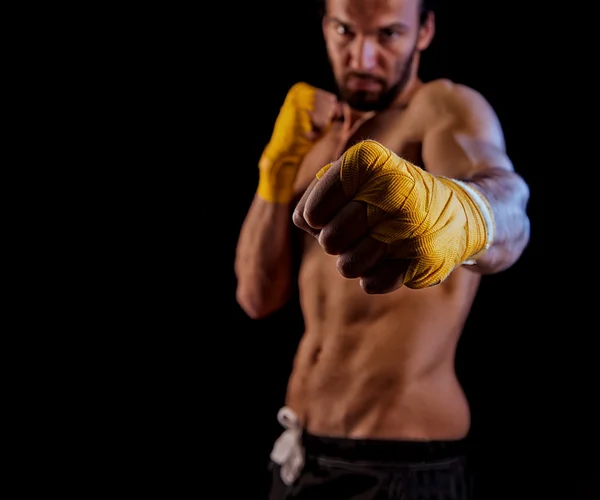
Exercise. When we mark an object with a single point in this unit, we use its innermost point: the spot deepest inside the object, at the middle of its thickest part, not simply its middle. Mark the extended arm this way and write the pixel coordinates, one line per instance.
(465, 142)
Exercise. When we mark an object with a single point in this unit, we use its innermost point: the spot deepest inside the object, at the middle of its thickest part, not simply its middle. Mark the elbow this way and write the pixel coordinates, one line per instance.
(505, 254)
(257, 304)
(252, 307)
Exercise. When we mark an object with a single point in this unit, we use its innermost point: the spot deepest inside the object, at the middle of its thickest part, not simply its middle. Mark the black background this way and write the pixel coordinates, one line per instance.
(205, 382)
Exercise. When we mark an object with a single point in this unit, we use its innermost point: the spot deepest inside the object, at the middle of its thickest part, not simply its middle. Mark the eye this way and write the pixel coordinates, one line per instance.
(342, 29)
(389, 34)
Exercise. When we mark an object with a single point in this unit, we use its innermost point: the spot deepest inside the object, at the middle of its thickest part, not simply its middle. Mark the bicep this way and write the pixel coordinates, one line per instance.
(465, 139)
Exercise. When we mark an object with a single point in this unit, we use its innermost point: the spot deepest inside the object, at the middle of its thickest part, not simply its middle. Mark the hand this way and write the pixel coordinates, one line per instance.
(325, 109)
(390, 222)
(304, 117)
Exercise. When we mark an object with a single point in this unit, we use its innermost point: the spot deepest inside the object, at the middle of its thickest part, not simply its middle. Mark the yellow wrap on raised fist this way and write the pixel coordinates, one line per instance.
(435, 222)
(288, 145)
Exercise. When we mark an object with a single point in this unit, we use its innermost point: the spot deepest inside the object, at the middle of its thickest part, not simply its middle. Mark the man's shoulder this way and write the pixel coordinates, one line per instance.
(438, 85)
(443, 97)
(443, 91)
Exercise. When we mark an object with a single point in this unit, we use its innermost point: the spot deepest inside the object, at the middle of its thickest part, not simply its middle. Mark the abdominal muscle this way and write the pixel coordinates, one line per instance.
(379, 366)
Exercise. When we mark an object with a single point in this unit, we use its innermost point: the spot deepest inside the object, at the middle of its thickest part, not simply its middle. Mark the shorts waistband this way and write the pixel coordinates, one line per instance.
(381, 450)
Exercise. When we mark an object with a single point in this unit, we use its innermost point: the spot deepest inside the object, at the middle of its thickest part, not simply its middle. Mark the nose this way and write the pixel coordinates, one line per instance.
(364, 54)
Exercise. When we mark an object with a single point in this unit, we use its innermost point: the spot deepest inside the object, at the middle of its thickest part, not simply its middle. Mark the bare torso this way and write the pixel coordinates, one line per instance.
(379, 366)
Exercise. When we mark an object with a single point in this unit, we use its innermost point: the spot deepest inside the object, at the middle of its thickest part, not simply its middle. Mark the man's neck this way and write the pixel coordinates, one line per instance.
(353, 118)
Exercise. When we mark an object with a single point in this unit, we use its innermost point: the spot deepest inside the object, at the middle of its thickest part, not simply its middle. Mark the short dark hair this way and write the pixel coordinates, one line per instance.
(427, 6)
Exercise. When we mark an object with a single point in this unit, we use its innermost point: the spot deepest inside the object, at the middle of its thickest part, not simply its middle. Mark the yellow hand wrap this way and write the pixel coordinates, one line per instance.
(288, 145)
(436, 222)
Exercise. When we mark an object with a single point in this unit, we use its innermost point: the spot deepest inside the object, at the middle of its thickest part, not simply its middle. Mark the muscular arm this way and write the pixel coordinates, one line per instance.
(264, 254)
(464, 140)
(263, 260)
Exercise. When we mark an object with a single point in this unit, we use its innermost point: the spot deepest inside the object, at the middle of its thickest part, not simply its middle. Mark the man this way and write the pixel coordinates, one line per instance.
(405, 198)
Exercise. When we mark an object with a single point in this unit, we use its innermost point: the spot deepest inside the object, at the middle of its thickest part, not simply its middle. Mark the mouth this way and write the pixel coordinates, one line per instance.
(359, 83)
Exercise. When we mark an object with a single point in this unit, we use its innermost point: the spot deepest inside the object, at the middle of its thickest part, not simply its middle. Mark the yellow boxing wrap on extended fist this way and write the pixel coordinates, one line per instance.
(436, 222)
(288, 145)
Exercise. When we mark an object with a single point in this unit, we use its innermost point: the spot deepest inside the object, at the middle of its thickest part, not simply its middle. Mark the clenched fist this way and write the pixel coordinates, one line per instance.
(305, 115)
(390, 222)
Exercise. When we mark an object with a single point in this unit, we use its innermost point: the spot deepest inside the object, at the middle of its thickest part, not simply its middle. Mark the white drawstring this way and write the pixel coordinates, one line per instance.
(287, 451)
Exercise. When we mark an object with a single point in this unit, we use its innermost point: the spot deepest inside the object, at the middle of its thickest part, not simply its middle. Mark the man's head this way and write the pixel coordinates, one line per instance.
(374, 46)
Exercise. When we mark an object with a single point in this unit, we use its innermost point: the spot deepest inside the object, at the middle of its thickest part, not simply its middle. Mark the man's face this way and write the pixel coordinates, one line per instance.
(371, 46)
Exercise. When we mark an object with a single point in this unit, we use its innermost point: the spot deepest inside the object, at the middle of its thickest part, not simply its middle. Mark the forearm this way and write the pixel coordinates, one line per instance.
(508, 195)
(263, 261)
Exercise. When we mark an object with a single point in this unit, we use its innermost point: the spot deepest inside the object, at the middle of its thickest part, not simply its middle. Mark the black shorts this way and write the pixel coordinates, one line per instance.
(361, 469)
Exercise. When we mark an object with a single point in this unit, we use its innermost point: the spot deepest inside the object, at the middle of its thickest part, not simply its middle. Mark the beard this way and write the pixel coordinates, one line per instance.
(368, 100)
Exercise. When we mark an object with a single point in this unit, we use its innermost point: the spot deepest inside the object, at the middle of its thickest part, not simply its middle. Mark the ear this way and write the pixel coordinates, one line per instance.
(426, 32)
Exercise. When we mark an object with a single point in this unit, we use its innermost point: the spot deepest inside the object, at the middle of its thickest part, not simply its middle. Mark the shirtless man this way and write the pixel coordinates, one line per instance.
(404, 197)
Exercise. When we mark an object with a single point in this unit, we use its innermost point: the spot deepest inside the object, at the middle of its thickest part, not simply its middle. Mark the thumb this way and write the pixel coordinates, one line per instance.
(338, 111)
(335, 113)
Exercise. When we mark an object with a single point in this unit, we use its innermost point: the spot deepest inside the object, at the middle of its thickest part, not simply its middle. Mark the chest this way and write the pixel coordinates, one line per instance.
(390, 129)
